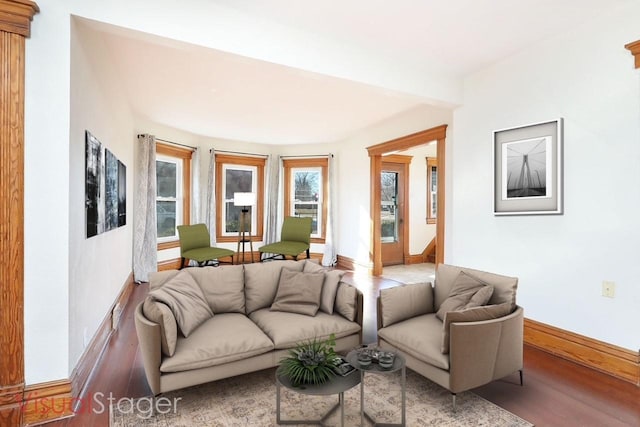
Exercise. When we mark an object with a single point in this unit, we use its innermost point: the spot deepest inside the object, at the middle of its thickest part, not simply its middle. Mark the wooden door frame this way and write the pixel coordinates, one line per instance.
(376, 152)
(15, 26)
(405, 162)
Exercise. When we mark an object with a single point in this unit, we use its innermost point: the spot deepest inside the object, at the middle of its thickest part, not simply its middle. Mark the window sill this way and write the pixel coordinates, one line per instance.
(234, 239)
(169, 245)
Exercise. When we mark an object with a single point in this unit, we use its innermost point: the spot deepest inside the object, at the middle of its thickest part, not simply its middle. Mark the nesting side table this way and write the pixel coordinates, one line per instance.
(398, 365)
(336, 385)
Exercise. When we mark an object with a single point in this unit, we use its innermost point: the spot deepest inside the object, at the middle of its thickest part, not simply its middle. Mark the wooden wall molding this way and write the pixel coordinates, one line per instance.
(15, 25)
(16, 16)
(607, 358)
(634, 48)
(91, 355)
(45, 402)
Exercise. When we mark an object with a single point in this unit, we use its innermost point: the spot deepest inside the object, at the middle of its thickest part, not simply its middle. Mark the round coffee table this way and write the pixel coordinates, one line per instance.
(335, 385)
(398, 365)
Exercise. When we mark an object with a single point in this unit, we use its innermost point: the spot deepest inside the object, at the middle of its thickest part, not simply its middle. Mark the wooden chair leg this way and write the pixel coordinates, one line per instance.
(308, 254)
(521, 377)
(181, 263)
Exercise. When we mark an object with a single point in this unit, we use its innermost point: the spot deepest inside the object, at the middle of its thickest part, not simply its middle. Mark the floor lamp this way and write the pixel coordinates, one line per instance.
(244, 200)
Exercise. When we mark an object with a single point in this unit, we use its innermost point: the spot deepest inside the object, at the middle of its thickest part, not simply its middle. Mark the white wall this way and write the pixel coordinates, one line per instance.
(46, 216)
(98, 266)
(587, 77)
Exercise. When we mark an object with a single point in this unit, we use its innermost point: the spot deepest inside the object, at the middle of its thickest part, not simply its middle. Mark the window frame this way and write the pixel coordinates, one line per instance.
(223, 160)
(184, 155)
(289, 166)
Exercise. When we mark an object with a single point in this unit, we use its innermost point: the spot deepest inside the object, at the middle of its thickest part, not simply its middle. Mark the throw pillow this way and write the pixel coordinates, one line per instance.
(474, 314)
(466, 292)
(346, 300)
(298, 292)
(186, 300)
(329, 288)
(161, 314)
(405, 301)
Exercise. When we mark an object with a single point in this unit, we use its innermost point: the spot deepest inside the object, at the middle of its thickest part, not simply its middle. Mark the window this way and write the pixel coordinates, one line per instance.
(432, 189)
(238, 174)
(173, 190)
(306, 192)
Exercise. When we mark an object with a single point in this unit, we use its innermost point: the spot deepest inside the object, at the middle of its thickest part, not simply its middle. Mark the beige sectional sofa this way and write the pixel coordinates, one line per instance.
(463, 332)
(202, 324)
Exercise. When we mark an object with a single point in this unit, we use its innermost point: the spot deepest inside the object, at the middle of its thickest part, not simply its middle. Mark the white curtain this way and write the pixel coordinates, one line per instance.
(210, 217)
(329, 256)
(196, 214)
(145, 246)
(272, 217)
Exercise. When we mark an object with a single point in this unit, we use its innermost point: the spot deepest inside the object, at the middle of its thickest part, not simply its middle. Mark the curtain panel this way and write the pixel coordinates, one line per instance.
(145, 239)
(210, 216)
(329, 257)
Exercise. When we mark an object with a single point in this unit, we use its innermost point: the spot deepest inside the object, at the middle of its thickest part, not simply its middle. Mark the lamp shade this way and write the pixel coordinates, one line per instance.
(244, 199)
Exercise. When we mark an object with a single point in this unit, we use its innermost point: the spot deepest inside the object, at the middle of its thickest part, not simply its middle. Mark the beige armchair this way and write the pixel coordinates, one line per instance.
(468, 347)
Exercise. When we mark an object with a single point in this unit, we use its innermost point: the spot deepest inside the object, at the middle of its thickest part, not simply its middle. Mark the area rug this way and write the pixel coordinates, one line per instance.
(250, 400)
(415, 273)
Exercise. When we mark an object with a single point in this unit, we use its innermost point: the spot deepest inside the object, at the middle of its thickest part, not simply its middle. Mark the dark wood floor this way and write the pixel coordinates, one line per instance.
(556, 392)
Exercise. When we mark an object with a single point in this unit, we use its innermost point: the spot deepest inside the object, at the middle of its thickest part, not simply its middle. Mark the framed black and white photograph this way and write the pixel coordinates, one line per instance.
(111, 191)
(105, 188)
(94, 187)
(528, 169)
(122, 194)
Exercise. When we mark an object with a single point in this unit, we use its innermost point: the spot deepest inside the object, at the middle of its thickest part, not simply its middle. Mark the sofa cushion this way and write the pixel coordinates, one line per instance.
(222, 286)
(186, 300)
(466, 292)
(419, 337)
(288, 329)
(329, 288)
(159, 278)
(261, 282)
(346, 301)
(504, 287)
(405, 301)
(221, 339)
(298, 292)
(475, 314)
(161, 314)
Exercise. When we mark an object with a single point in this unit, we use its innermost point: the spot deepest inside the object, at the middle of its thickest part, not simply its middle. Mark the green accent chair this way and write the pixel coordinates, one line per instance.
(195, 244)
(295, 238)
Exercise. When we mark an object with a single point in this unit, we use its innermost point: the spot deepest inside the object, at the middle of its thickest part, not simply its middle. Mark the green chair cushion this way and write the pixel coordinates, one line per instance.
(285, 248)
(206, 254)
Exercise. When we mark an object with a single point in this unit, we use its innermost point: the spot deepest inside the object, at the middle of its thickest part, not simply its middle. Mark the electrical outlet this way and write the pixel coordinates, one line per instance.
(608, 289)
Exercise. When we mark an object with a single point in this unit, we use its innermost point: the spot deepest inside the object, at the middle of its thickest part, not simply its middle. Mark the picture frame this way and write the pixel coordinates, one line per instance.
(528, 165)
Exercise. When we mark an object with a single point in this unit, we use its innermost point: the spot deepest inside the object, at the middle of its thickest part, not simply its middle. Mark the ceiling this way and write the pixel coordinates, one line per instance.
(221, 94)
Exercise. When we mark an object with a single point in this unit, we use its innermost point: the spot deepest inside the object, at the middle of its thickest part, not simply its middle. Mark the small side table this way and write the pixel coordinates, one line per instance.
(336, 385)
(398, 365)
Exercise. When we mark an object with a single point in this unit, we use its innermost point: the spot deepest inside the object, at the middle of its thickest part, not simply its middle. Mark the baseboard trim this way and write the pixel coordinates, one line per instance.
(45, 402)
(55, 400)
(92, 354)
(346, 263)
(600, 356)
(414, 259)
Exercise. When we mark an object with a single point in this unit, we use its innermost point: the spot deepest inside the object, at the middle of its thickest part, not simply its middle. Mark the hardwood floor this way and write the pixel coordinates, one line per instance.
(556, 392)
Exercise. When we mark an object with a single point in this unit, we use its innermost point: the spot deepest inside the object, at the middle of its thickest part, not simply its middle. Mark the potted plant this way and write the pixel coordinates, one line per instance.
(311, 362)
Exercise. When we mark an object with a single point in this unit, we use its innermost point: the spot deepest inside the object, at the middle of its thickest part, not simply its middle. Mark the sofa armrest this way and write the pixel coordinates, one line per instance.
(150, 347)
(404, 302)
(483, 351)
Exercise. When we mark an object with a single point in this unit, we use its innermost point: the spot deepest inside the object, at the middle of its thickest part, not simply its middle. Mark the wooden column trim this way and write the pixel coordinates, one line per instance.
(634, 48)
(15, 19)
